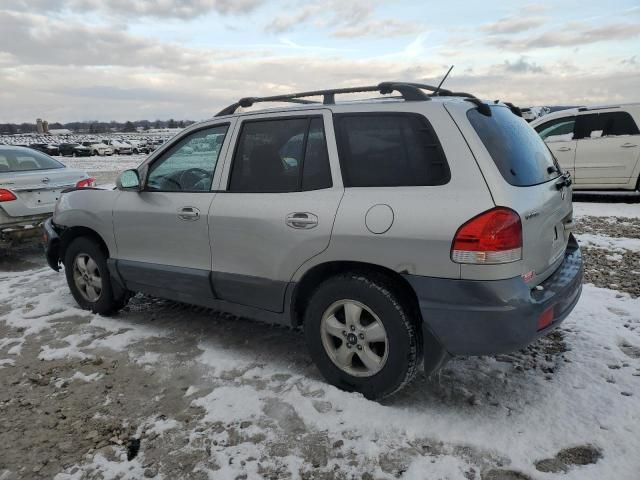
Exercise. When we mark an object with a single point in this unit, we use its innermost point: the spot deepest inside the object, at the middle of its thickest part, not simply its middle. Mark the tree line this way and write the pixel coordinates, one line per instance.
(95, 127)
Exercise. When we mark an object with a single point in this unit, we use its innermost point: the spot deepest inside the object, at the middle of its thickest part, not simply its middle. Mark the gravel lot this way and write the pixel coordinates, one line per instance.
(165, 390)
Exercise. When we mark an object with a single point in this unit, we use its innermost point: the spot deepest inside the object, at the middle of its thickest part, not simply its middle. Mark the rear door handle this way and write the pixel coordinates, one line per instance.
(564, 149)
(628, 145)
(302, 220)
(189, 213)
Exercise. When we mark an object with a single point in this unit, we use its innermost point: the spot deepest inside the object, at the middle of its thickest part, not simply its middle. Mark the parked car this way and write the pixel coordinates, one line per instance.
(30, 184)
(139, 147)
(74, 150)
(47, 148)
(599, 146)
(98, 148)
(119, 148)
(398, 232)
(531, 113)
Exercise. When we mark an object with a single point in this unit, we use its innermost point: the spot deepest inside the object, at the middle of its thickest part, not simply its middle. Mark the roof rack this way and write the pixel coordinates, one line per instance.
(408, 91)
(599, 107)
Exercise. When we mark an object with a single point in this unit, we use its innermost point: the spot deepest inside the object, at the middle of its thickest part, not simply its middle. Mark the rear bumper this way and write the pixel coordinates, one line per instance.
(489, 317)
(14, 230)
(51, 241)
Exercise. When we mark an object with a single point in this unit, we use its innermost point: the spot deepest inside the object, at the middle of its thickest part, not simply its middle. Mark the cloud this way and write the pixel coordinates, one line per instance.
(514, 24)
(66, 67)
(346, 19)
(38, 40)
(381, 28)
(285, 23)
(184, 9)
(570, 35)
(522, 66)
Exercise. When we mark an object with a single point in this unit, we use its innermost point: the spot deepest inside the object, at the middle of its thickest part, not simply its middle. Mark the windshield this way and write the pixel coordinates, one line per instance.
(19, 160)
(517, 150)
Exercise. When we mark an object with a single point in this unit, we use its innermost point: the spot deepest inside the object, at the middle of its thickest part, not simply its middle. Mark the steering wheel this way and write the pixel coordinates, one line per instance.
(191, 177)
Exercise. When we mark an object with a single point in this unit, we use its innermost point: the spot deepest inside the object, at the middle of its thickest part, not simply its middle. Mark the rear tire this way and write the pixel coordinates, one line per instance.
(361, 335)
(85, 266)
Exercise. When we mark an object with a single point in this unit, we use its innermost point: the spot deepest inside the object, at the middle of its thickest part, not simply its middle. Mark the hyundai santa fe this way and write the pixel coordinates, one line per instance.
(395, 231)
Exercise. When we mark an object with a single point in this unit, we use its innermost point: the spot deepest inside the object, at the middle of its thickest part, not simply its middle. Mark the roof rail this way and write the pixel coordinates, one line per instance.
(409, 91)
(599, 107)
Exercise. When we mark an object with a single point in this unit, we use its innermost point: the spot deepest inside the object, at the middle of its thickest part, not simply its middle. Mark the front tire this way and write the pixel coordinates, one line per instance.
(362, 335)
(85, 266)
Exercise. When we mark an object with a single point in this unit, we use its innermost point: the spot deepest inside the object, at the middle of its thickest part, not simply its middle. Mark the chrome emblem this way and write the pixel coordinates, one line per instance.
(531, 214)
(45, 180)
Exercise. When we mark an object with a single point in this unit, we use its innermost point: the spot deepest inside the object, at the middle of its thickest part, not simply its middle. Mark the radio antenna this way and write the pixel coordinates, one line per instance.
(443, 79)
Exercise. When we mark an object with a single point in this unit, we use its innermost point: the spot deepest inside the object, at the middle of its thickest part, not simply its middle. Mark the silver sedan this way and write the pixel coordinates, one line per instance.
(30, 185)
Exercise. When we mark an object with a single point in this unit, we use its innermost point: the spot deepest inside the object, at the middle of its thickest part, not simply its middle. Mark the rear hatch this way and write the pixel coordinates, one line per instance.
(36, 189)
(522, 175)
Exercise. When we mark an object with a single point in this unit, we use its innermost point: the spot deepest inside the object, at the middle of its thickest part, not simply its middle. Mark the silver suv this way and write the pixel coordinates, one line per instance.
(395, 231)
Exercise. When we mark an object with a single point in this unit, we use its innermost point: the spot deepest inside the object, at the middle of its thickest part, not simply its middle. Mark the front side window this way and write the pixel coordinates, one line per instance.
(389, 150)
(15, 160)
(189, 165)
(557, 130)
(281, 155)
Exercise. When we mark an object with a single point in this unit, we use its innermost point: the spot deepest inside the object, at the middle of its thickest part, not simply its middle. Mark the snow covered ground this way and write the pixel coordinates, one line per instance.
(613, 209)
(169, 391)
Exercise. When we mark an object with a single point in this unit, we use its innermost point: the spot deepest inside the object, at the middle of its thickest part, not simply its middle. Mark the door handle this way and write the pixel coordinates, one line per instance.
(564, 149)
(628, 145)
(189, 213)
(302, 220)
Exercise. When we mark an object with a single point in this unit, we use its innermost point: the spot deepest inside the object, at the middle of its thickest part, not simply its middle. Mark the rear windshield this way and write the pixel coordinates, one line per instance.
(22, 160)
(517, 150)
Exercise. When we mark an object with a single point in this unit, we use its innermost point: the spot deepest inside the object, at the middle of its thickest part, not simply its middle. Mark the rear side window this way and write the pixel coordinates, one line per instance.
(281, 155)
(596, 125)
(25, 160)
(389, 150)
(517, 150)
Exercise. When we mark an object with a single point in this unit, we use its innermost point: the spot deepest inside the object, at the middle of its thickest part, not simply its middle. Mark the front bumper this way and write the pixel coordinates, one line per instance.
(51, 241)
(470, 317)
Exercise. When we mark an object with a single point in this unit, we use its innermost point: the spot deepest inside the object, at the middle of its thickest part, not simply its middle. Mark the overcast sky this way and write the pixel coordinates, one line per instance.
(67, 60)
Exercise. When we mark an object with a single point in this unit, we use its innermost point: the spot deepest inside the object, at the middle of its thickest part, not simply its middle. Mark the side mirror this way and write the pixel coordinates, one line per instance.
(129, 180)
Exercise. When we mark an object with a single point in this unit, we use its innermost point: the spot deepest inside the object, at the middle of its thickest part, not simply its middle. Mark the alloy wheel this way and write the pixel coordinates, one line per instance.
(87, 277)
(354, 338)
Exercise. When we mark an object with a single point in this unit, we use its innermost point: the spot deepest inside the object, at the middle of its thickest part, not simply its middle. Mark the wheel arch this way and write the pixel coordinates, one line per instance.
(71, 233)
(319, 273)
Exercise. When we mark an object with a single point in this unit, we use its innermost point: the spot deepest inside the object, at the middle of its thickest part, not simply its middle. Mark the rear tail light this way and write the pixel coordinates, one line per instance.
(6, 195)
(494, 236)
(87, 182)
